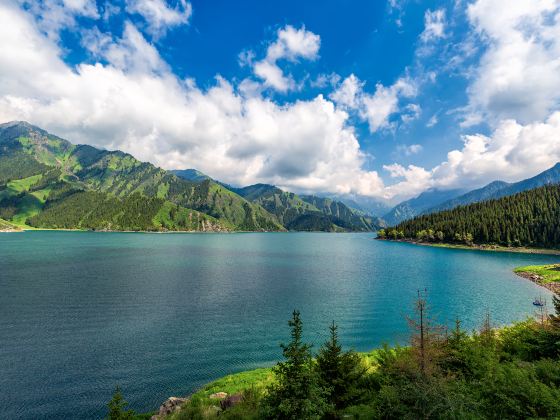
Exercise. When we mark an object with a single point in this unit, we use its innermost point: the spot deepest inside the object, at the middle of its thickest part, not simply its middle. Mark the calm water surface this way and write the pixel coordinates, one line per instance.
(161, 315)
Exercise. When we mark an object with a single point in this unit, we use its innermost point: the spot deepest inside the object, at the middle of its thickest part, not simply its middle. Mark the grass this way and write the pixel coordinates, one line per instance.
(7, 225)
(257, 380)
(28, 207)
(24, 184)
(548, 273)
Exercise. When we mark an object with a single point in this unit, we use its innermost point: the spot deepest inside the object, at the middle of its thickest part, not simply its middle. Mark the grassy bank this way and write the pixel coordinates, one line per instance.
(544, 275)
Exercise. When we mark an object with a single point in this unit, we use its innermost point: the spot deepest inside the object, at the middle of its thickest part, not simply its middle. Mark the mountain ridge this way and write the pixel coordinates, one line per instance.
(30, 151)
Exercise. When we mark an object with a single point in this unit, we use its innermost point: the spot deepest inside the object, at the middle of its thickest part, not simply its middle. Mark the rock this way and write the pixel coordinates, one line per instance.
(230, 401)
(170, 405)
(219, 395)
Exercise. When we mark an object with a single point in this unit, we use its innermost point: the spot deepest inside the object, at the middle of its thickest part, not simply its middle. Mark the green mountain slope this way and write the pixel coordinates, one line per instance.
(342, 215)
(307, 213)
(191, 175)
(27, 151)
(528, 218)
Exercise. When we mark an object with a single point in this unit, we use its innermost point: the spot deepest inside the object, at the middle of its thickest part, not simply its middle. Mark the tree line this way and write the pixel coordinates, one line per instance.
(529, 218)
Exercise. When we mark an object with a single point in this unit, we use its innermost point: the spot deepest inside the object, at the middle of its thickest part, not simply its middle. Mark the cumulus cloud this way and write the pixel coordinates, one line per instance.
(512, 152)
(519, 73)
(159, 16)
(376, 108)
(414, 180)
(132, 102)
(291, 44)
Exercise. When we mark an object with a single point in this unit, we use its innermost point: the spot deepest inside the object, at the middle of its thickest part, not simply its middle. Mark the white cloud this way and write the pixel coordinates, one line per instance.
(411, 112)
(134, 103)
(159, 16)
(432, 121)
(54, 15)
(131, 53)
(416, 180)
(519, 73)
(291, 44)
(410, 150)
(349, 93)
(376, 108)
(513, 152)
(434, 25)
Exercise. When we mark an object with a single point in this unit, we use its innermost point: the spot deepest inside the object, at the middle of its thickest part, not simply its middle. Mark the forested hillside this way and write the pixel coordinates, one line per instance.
(498, 189)
(530, 218)
(307, 213)
(39, 172)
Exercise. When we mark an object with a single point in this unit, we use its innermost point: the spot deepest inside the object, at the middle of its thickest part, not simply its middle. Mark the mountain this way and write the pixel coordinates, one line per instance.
(342, 215)
(415, 206)
(367, 205)
(499, 189)
(48, 182)
(306, 212)
(528, 218)
(191, 175)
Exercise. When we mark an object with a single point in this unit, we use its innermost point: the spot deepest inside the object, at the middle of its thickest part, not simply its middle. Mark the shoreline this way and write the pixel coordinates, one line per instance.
(546, 276)
(487, 248)
(31, 229)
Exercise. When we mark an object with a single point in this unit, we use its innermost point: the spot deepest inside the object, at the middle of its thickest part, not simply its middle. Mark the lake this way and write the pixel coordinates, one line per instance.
(162, 314)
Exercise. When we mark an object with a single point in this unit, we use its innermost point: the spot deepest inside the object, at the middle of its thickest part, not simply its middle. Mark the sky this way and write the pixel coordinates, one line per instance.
(382, 99)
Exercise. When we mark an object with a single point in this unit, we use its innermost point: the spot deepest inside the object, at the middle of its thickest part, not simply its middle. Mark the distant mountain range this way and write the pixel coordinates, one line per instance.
(436, 200)
(418, 205)
(498, 189)
(48, 182)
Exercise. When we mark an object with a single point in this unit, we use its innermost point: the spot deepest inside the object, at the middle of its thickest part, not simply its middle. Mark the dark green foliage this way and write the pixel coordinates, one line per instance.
(529, 218)
(340, 373)
(18, 165)
(117, 407)
(296, 394)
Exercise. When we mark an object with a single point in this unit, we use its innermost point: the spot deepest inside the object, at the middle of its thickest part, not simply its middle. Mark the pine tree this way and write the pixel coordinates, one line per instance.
(339, 372)
(295, 394)
(117, 407)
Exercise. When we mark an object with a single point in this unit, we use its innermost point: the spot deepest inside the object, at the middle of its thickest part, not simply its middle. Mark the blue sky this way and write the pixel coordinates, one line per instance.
(380, 99)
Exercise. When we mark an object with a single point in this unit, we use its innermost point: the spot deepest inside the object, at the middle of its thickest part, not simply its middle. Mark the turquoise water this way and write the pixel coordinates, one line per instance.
(161, 314)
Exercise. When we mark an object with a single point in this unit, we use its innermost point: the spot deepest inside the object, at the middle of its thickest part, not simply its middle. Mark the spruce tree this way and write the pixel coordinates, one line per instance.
(117, 407)
(295, 394)
(339, 372)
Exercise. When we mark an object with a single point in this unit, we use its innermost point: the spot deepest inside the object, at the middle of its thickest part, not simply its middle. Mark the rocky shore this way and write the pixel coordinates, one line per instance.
(554, 287)
(174, 404)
